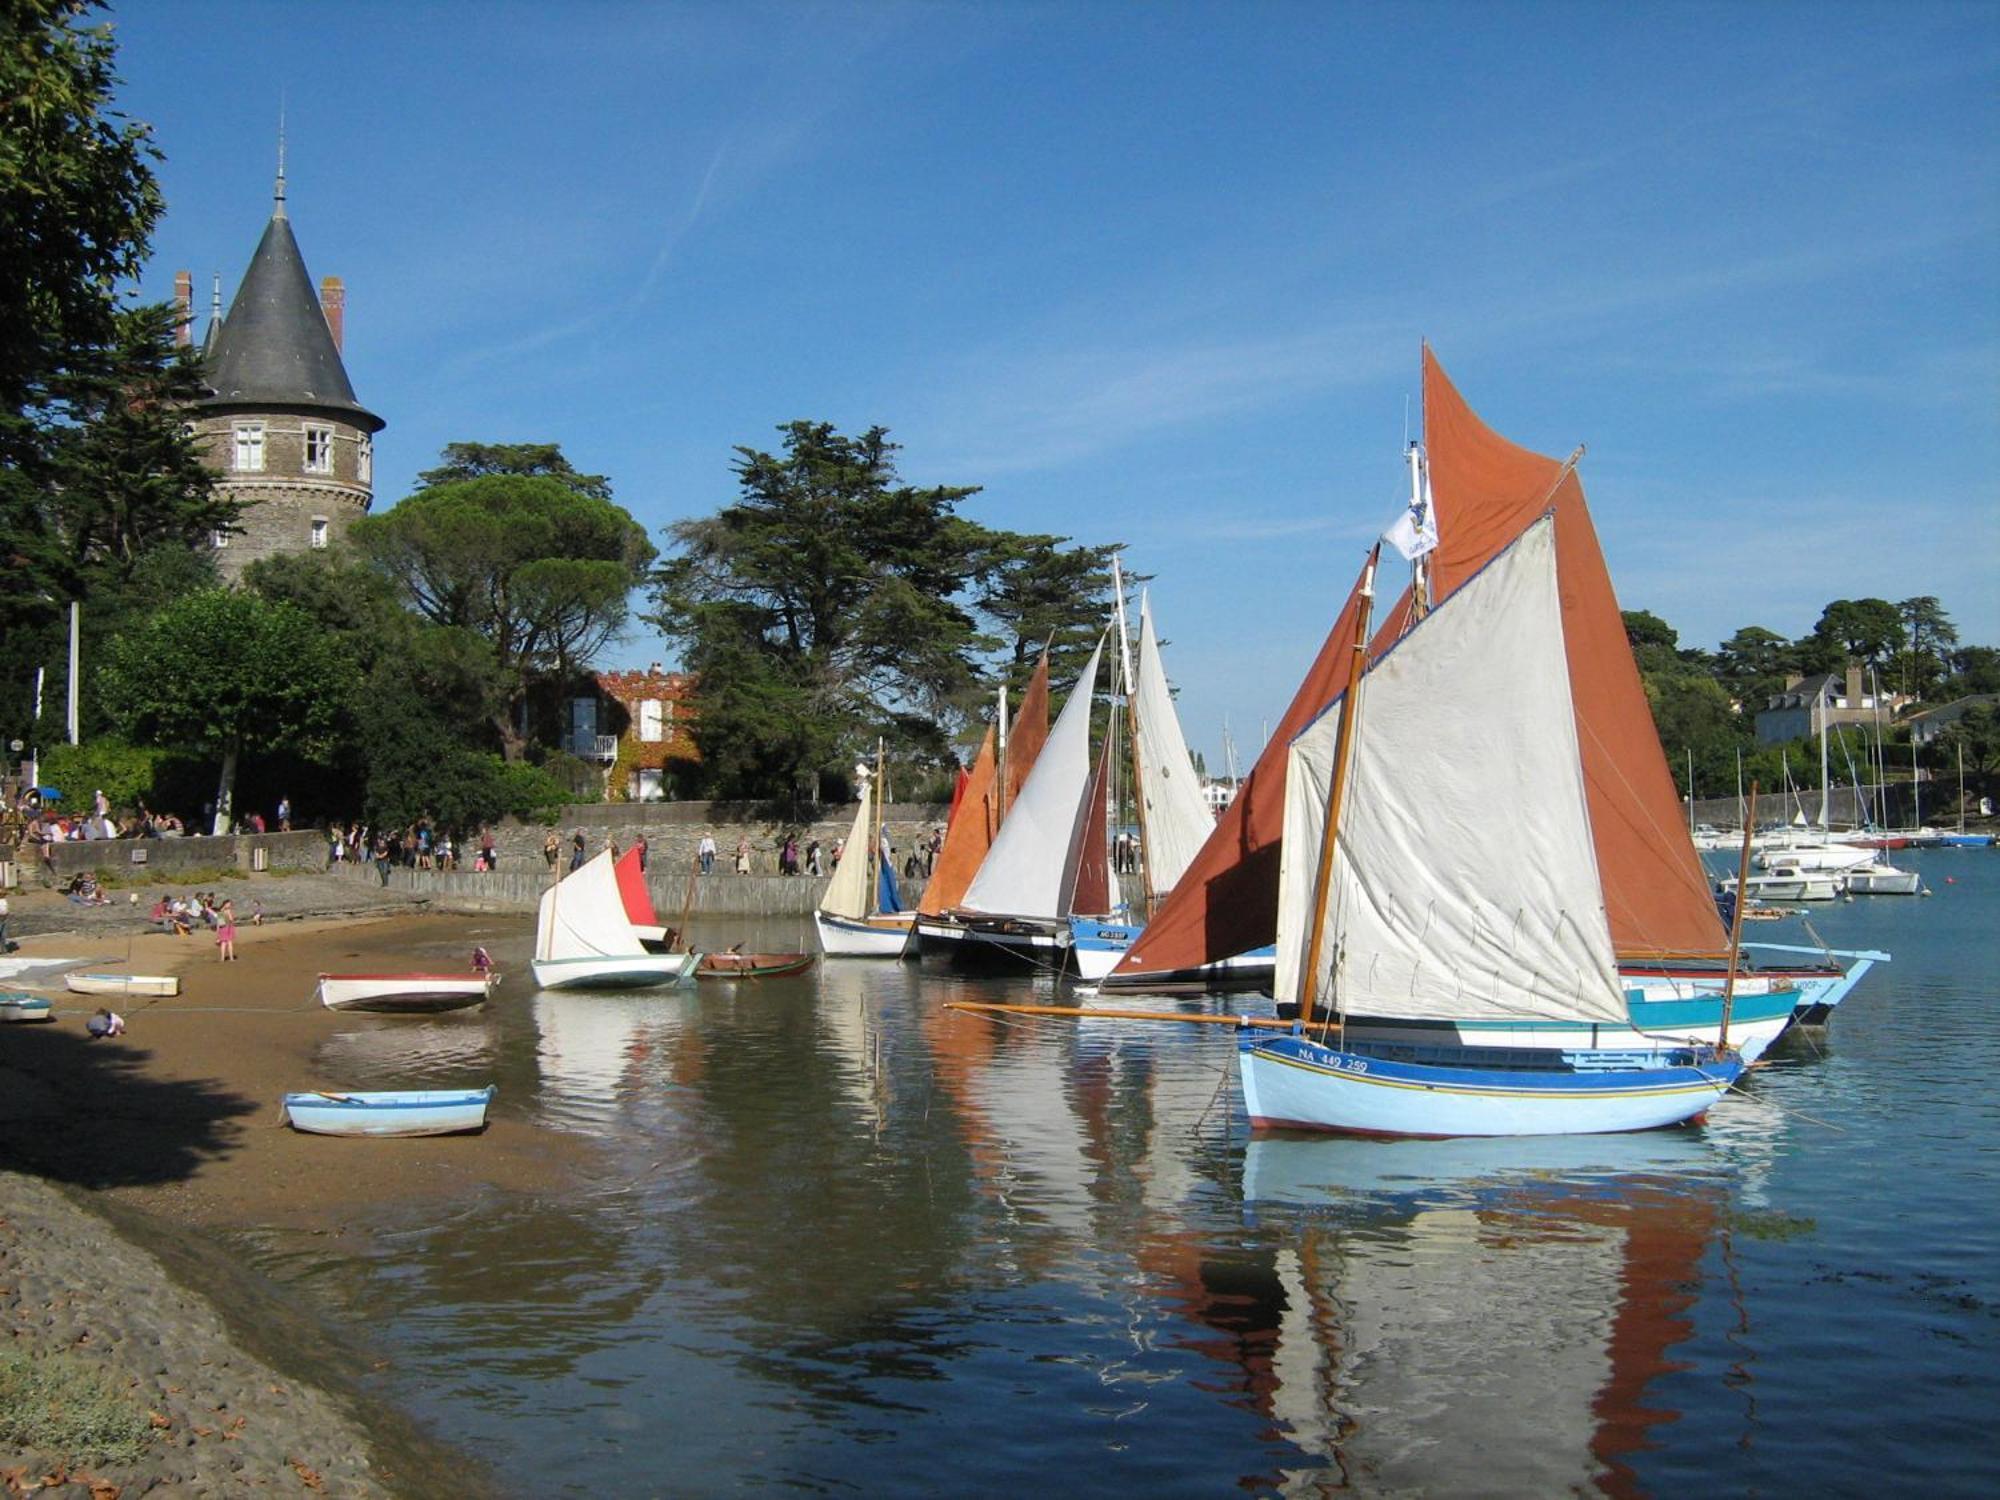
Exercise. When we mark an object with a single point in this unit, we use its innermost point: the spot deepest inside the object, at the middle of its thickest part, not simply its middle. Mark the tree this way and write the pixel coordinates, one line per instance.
(1930, 637)
(1753, 664)
(538, 566)
(528, 460)
(225, 673)
(1868, 629)
(821, 608)
(1975, 734)
(1974, 669)
(1040, 592)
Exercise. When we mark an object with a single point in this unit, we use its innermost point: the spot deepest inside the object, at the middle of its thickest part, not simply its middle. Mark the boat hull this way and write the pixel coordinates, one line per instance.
(990, 942)
(867, 937)
(124, 985)
(752, 965)
(1293, 1083)
(1097, 946)
(15, 1006)
(405, 994)
(405, 1113)
(1883, 882)
(623, 972)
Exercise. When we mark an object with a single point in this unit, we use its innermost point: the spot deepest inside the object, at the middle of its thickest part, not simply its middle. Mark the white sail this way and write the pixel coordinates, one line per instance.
(583, 917)
(1178, 821)
(1022, 874)
(1465, 880)
(847, 892)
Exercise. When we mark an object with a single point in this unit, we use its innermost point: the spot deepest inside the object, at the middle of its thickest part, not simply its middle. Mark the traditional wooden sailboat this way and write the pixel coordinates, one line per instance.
(583, 939)
(1042, 865)
(1006, 757)
(1439, 867)
(1174, 817)
(861, 914)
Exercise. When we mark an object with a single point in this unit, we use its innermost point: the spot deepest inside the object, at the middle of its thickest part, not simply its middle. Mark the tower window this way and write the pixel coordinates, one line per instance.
(319, 531)
(319, 450)
(250, 447)
(364, 459)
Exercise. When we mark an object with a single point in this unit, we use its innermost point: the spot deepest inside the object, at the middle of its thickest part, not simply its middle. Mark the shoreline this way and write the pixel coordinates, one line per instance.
(141, 1168)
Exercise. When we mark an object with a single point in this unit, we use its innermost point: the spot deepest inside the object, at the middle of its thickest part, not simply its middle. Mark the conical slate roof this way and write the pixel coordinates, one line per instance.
(275, 348)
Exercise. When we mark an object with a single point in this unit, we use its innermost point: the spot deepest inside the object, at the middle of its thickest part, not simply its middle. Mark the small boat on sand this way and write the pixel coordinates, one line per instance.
(397, 1113)
(405, 994)
(122, 984)
(15, 1005)
(752, 965)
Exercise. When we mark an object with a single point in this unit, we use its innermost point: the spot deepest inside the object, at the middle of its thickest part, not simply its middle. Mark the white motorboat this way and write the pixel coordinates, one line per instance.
(1879, 879)
(1789, 882)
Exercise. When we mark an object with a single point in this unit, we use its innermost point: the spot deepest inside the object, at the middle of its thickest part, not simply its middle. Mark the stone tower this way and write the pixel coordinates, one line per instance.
(281, 427)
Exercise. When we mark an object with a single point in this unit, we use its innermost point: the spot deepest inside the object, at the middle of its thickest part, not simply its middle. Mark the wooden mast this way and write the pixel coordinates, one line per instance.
(1736, 915)
(1343, 748)
(1132, 733)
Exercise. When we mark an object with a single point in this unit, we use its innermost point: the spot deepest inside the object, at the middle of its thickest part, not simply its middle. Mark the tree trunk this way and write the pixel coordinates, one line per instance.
(225, 790)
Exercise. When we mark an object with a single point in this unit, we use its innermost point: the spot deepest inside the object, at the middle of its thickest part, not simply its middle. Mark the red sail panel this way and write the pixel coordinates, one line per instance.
(638, 901)
(1088, 876)
(976, 817)
(1488, 490)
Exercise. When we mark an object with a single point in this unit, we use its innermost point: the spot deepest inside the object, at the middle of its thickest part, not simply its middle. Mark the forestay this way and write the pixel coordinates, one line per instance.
(1465, 883)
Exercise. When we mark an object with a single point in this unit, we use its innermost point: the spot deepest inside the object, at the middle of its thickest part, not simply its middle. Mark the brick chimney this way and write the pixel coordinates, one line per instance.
(333, 303)
(184, 306)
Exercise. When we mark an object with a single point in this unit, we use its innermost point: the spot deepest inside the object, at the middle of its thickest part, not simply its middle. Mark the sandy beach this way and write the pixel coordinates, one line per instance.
(172, 1135)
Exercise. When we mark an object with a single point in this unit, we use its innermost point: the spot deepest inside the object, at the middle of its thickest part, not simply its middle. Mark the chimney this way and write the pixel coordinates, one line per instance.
(1853, 686)
(184, 305)
(333, 303)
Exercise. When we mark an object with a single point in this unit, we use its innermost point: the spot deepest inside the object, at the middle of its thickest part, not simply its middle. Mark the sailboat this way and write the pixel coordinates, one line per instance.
(1174, 817)
(584, 940)
(861, 914)
(990, 788)
(1439, 867)
(1042, 866)
(1669, 941)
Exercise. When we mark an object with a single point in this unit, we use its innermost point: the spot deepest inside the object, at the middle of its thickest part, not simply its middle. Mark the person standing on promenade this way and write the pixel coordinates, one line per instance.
(576, 850)
(640, 845)
(743, 855)
(225, 932)
(706, 850)
(284, 815)
(486, 850)
(551, 847)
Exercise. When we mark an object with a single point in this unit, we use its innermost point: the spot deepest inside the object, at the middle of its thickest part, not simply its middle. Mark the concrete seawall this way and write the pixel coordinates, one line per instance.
(717, 895)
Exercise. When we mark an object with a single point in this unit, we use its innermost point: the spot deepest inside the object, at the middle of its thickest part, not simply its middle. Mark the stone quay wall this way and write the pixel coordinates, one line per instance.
(153, 861)
(520, 890)
(673, 832)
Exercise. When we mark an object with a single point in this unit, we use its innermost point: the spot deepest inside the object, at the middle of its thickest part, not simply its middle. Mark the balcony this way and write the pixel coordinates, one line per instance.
(602, 748)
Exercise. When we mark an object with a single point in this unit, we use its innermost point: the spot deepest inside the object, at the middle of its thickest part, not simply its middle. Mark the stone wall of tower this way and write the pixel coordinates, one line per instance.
(316, 479)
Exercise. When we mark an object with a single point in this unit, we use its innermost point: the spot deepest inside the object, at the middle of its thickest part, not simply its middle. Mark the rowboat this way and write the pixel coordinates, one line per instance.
(16, 1005)
(402, 1112)
(752, 965)
(405, 994)
(122, 984)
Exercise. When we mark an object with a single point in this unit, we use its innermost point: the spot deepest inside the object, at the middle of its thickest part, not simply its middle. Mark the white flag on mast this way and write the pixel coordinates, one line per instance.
(1415, 530)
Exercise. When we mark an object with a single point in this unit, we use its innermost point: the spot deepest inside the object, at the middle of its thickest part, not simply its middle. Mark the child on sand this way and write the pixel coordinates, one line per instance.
(225, 931)
(104, 1023)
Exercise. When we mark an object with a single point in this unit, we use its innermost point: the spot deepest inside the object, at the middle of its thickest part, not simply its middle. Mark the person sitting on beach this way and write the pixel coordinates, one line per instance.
(482, 961)
(103, 1023)
(256, 911)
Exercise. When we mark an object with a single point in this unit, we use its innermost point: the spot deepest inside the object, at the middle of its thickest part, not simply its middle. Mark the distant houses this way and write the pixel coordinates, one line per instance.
(1809, 705)
(636, 726)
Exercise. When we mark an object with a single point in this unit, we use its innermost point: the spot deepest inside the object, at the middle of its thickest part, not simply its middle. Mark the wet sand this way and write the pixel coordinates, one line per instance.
(181, 1116)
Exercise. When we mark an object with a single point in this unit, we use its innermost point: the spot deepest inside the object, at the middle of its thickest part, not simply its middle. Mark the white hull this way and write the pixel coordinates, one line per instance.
(25, 1008)
(867, 937)
(635, 972)
(405, 993)
(122, 984)
(1792, 886)
(1882, 880)
(1809, 857)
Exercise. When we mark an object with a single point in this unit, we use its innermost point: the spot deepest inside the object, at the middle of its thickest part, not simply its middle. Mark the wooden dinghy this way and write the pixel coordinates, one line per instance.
(125, 985)
(405, 994)
(752, 965)
(16, 1005)
(401, 1112)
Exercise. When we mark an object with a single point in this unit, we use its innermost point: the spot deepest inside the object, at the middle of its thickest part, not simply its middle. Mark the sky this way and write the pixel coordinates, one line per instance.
(1159, 274)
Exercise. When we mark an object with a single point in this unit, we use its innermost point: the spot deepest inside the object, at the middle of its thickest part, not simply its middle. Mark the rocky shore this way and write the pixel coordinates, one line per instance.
(140, 1353)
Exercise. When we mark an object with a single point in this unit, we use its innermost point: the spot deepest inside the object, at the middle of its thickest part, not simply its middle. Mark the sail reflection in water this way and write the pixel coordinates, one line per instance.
(1479, 1316)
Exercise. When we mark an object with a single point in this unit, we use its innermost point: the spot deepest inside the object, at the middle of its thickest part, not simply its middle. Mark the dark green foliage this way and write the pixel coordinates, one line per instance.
(1974, 669)
(124, 773)
(1870, 630)
(530, 460)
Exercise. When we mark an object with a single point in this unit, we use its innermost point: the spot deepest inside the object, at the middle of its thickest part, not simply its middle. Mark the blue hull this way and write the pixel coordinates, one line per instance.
(1293, 1083)
(408, 1112)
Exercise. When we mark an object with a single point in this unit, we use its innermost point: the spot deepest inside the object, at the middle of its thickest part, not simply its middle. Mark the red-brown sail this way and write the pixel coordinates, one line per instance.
(1487, 490)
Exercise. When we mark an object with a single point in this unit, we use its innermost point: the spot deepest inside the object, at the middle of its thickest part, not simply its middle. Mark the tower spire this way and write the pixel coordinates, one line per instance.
(279, 211)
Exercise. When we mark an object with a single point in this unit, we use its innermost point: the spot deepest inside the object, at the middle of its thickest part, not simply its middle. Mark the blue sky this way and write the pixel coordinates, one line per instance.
(1158, 273)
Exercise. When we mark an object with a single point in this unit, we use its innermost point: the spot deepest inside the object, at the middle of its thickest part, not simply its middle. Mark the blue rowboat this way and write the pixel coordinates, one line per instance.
(1291, 1082)
(404, 1112)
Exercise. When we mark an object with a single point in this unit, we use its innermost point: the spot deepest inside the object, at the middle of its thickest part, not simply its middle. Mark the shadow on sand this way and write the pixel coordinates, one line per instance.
(84, 1112)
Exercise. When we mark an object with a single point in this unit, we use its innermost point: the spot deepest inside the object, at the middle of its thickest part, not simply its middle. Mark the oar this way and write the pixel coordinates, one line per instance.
(1073, 1013)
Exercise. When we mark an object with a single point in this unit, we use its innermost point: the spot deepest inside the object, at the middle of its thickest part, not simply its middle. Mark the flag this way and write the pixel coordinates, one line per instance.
(1415, 531)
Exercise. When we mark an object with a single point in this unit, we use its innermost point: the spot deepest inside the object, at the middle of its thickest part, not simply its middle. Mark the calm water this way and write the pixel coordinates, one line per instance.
(845, 1242)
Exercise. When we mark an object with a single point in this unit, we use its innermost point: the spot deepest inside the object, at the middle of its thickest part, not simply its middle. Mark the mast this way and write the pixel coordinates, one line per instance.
(1960, 746)
(1822, 767)
(1420, 566)
(1742, 817)
(1132, 734)
(1000, 786)
(875, 839)
(1343, 749)
(1736, 925)
(1690, 791)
